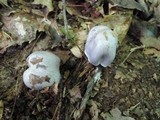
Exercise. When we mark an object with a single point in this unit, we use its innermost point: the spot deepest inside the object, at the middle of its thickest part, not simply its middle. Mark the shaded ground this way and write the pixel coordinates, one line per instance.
(132, 87)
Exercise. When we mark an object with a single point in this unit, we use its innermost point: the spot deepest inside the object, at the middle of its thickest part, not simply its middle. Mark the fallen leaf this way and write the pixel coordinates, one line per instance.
(76, 51)
(130, 4)
(62, 54)
(75, 94)
(120, 75)
(19, 28)
(157, 111)
(137, 64)
(115, 114)
(94, 111)
(157, 12)
(151, 42)
(5, 41)
(4, 3)
(47, 3)
(122, 19)
(81, 40)
(152, 51)
(72, 10)
(42, 44)
(146, 32)
(1, 109)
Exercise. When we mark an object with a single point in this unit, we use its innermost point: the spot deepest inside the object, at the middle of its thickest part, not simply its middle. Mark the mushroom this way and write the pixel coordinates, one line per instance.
(100, 47)
(42, 58)
(43, 70)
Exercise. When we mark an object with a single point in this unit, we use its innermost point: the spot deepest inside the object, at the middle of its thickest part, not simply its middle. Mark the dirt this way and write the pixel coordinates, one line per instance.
(131, 84)
(133, 87)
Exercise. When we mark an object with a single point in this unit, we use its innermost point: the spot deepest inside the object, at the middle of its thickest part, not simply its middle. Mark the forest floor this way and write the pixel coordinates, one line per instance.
(129, 88)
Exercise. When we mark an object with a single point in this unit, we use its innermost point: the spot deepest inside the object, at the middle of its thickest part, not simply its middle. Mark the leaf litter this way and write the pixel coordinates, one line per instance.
(125, 91)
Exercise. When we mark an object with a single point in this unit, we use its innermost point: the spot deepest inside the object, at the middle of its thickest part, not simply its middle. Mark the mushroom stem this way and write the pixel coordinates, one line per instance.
(90, 87)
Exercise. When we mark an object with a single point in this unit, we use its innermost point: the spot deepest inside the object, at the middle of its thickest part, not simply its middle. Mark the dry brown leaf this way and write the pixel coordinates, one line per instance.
(1, 109)
(94, 111)
(76, 51)
(115, 114)
(72, 10)
(146, 32)
(122, 20)
(47, 3)
(157, 12)
(42, 44)
(130, 4)
(119, 75)
(4, 3)
(151, 42)
(22, 27)
(81, 38)
(62, 54)
(5, 41)
(75, 94)
(137, 64)
(152, 51)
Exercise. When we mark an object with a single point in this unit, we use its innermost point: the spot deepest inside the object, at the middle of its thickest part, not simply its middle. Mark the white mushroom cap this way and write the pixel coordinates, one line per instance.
(43, 58)
(101, 45)
(38, 78)
(43, 70)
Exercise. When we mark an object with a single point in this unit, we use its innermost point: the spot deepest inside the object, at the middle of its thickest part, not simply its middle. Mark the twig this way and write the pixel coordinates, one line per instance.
(15, 100)
(65, 19)
(90, 86)
(59, 107)
(131, 51)
(35, 43)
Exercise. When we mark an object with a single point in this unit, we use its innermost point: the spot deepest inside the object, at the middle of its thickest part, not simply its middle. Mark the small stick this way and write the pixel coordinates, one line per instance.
(131, 51)
(90, 86)
(65, 19)
(15, 100)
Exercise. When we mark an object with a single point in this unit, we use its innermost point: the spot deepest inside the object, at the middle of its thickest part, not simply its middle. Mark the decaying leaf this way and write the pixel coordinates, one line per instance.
(47, 3)
(123, 86)
(157, 12)
(130, 4)
(157, 111)
(151, 42)
(5, 41)
(43, 44)
(125, 76)
(52, 32)
(152, 51)
(76, 51)
(62, 54)
(4, 3)
(115, 114)
(19, 28)
(1, 109)
(94, 111)
(72, 9)
(122, 20)
(81, 40)
(146, 32)
(141, 28)
(119, 75)
(75, 94)
(137, 64)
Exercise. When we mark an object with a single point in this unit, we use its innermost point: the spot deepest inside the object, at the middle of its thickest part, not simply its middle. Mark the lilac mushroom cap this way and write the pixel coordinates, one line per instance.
(100, 47)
